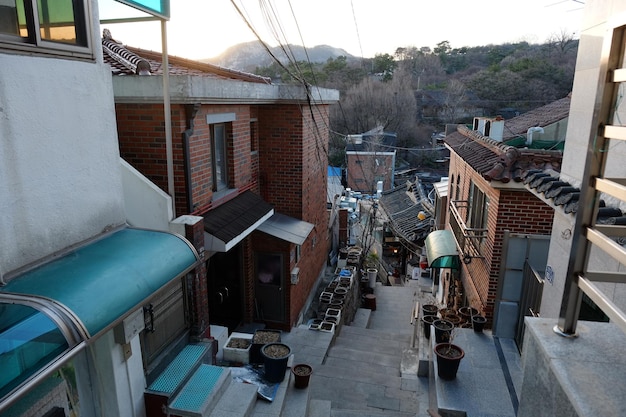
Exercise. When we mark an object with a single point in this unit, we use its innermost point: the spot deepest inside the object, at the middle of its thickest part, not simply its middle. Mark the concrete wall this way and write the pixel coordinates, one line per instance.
(595, 24)
(59, 163)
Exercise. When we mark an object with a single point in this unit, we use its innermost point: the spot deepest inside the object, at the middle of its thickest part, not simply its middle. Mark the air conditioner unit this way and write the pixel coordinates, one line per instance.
(492, 127)
(295, 275)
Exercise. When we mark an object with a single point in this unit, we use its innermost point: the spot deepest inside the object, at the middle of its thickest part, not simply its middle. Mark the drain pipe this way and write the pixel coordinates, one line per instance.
(190, 113)
(529, 134)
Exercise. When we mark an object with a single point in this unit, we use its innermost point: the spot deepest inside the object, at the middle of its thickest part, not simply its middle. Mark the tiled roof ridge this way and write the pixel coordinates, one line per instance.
(493, 145)
(202, 66)
(123, 56)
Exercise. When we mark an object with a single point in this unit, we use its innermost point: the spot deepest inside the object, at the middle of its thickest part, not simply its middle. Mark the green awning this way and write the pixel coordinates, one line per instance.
(441, 250)
(103, 281)
(48, 313)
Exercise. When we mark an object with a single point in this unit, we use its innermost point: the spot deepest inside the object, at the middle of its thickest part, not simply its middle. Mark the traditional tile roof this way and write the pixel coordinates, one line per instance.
(126, 60)
(497, 161)
(541, 117)
(403, 204)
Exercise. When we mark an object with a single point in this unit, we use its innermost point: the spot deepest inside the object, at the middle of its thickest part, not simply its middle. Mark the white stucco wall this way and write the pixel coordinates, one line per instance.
(595, 24)
(60, 180)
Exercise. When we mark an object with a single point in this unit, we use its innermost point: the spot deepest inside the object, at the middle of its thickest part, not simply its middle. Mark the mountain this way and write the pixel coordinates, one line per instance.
(249, 55)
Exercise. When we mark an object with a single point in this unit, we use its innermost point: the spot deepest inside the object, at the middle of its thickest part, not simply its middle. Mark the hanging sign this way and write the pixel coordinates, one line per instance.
(158, 8)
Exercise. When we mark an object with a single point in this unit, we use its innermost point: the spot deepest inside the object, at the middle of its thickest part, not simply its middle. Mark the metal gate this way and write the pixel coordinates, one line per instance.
(532, 289)
(517, 251)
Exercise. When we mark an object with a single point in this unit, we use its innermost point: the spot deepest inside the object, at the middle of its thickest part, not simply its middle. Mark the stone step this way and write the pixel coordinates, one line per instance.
(361, 318)
(319, 408)
(380, 334)
(200, 394)
(237, 401)
(373, 343)
(264, 408)
(296, 401)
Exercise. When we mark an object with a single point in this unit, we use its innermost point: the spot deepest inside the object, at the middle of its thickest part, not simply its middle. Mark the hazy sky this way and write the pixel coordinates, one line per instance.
(205, 28)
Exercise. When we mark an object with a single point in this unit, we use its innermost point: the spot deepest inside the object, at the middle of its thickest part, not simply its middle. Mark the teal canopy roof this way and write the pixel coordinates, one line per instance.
(103, 281)
(441, 250)
(55, 308)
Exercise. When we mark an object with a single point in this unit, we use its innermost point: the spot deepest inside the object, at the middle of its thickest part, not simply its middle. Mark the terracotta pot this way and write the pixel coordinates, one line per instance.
(448, 359)
(302, 374)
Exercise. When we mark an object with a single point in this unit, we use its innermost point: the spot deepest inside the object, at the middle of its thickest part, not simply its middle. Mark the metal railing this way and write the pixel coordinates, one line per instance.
(468, 239)
(609, 239)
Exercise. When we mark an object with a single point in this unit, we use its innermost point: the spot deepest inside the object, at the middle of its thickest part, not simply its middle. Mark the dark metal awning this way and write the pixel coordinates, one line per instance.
(53, 309)
(441, 250)
(287, 228)
(231, 222)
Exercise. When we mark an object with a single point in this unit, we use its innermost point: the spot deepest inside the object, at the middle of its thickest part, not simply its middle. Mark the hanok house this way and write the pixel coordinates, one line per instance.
(248, 156)
(370, 160)
(501, 229)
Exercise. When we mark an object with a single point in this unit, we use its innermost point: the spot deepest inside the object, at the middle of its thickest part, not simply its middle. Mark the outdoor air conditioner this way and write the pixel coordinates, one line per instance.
(492, 127)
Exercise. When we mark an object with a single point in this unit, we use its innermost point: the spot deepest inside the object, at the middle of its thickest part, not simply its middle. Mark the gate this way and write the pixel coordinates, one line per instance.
(532, 289)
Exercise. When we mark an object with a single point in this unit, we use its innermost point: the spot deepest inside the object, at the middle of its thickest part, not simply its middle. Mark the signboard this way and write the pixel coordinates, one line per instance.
(158, 8)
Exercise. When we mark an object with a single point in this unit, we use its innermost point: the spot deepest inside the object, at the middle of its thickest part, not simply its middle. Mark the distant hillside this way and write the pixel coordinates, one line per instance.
(247, 56)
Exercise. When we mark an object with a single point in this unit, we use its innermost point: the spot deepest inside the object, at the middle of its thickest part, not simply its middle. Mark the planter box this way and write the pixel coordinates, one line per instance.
(236, 354)
(262, 337)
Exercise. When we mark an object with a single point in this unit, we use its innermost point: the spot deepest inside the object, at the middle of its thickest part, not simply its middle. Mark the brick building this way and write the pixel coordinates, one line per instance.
(499, 226)
(370, 158)
(249, 157)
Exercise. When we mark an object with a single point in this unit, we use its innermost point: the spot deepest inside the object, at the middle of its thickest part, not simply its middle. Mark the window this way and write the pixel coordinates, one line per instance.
(219, 157)
(49, 26)
(477, 214)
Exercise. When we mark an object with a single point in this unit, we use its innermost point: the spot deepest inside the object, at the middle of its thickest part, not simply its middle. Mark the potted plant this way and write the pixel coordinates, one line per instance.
(428, 321)
(467, 312)
(262, 337)
(302, 374)
(275, 357)
(443, 329)
(478, 322)
(429, 309)
(448, 359)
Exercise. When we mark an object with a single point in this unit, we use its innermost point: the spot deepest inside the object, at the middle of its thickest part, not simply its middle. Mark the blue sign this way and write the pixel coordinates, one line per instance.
(158, 8)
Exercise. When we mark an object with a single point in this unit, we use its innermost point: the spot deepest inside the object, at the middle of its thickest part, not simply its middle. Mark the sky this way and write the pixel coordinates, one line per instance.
(200, 29)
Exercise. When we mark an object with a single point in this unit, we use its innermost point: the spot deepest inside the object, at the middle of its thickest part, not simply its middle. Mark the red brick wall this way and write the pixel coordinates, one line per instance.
(142, 144)
(293, 143)
(362, 176)
(516, 210)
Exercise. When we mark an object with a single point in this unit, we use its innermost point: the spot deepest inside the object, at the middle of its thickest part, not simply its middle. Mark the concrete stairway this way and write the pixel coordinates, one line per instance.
(362, 377)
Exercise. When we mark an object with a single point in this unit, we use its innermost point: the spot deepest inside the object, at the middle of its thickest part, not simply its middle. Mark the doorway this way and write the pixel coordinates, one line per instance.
(224, 283)
(269, 284)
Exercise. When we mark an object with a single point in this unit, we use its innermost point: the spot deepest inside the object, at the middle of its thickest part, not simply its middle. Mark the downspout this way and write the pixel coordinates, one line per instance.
(190, 113)
(529, 134)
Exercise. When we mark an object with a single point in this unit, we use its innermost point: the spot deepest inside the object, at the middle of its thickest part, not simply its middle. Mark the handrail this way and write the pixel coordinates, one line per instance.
(415, 322)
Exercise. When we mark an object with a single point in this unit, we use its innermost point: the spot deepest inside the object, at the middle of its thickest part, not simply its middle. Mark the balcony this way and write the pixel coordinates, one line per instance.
(469, 240)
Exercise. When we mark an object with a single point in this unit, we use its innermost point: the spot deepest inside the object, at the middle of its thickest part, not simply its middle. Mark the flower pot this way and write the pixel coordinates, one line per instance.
(302, 374)
(454, 319)
(448, 359)
(371, 276)
(446, 312)
(478, 322)
(443, 328)
(259, 339)
(428, 321)
(275, 357)
(429, 310)
(467, 312)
